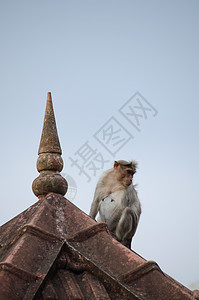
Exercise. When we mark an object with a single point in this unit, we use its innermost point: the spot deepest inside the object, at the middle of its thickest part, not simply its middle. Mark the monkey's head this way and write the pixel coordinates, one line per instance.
(125, 171)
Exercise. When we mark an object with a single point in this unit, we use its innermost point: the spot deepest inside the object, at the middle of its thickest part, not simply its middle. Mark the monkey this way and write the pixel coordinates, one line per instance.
(116, 201)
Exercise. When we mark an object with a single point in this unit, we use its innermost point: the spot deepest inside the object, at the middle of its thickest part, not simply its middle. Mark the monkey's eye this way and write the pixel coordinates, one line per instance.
(130, 172)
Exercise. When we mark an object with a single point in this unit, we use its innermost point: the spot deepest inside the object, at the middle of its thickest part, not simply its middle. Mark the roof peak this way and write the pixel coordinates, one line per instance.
(49, 162)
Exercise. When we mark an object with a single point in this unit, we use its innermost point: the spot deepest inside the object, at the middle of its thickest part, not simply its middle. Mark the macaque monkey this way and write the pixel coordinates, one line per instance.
(117, 202)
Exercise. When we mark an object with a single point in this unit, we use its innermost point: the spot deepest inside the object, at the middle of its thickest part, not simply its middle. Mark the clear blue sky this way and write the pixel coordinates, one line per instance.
(94, 56)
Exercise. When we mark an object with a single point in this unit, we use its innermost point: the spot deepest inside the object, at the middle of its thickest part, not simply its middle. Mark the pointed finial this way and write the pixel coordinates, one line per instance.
(49, 140)
(49, 162)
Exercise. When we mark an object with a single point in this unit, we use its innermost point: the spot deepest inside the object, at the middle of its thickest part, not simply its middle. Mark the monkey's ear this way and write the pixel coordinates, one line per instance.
(116, 164)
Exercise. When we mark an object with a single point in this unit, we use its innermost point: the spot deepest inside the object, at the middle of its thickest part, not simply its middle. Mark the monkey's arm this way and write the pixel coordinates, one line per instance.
(98, 196)
(100, 193)
(94, 208)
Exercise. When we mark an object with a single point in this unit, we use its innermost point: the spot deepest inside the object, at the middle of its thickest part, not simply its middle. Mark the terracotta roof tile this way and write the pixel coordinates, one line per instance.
(53, 248)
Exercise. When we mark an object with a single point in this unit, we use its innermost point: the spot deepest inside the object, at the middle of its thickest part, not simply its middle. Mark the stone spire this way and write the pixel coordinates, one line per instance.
(49, 162)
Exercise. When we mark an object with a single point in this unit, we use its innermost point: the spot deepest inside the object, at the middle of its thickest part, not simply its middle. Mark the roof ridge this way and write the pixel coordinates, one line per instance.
(27, 276)
(89, 232)
(140, 271)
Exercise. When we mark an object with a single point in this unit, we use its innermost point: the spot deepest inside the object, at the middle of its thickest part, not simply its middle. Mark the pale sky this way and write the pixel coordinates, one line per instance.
(94, 56)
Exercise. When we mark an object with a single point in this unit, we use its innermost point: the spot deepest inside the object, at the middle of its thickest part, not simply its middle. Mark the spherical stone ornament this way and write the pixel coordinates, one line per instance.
(47, 183)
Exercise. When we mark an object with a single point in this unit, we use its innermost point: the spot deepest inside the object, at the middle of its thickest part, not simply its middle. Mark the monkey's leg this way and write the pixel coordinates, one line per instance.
(124, 229)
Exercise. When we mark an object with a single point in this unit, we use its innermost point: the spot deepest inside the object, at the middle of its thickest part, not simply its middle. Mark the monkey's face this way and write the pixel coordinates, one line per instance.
(128, 177)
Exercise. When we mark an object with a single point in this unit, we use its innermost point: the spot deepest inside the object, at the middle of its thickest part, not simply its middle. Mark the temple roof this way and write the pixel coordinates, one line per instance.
(53, 250)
